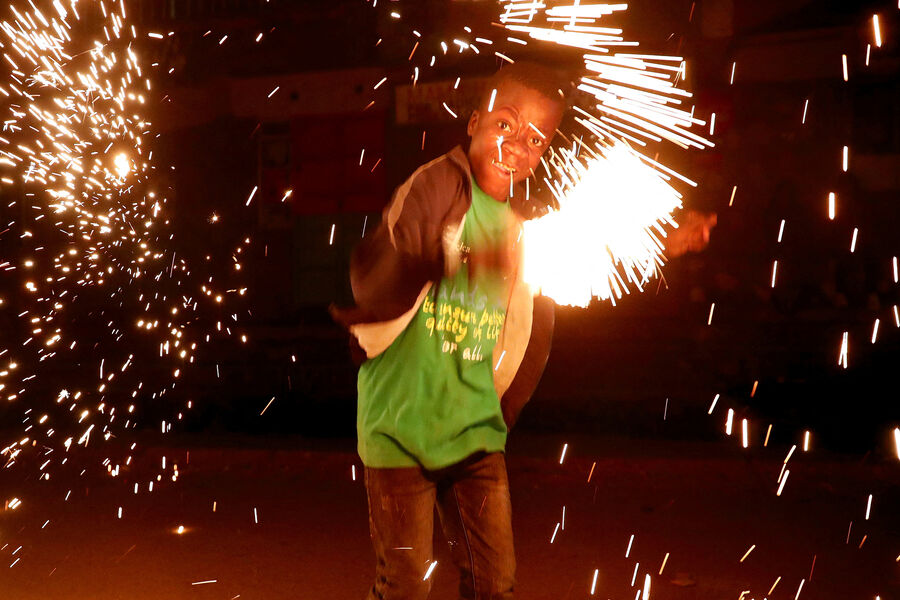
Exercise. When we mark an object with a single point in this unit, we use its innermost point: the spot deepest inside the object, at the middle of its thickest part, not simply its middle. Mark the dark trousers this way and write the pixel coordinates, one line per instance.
(472, 501)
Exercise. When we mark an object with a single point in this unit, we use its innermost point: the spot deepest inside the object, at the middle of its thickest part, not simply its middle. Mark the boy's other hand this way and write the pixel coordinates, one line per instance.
(692, 234)
(492, 261)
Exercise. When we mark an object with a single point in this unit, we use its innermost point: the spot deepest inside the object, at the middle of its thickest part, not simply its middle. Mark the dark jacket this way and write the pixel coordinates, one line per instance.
(414, 246)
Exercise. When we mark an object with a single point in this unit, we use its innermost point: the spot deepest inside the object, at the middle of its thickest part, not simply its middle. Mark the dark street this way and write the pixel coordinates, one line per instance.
(290, 523)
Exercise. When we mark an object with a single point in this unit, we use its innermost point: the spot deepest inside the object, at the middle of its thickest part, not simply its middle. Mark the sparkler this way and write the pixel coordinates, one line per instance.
(608, 231)
(637, 102)
(613, 200)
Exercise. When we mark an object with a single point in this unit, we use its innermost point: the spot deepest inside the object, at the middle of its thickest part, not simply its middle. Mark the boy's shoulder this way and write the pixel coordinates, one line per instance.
(446, 179)
(440, 188)
(454, 164)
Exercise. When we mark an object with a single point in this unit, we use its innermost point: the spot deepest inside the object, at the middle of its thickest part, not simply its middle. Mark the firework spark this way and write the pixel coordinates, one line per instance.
(101, 282)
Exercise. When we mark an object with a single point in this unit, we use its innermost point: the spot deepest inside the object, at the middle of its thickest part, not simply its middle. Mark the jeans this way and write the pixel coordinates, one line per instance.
(472, 501)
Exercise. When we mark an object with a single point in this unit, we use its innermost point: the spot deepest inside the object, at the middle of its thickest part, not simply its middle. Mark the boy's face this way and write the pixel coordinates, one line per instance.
(508, 141)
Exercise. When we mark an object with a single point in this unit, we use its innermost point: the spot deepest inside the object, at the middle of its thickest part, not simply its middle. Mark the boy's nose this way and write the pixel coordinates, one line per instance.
(514, 146)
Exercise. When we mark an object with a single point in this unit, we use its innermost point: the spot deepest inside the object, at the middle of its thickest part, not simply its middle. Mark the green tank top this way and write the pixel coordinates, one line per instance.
(429, 398)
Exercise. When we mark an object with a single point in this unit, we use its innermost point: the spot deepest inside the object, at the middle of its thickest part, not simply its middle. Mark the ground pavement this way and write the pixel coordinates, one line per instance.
(285, 519)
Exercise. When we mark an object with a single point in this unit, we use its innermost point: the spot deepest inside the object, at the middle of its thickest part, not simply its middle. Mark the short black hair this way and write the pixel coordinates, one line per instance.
(545, 80)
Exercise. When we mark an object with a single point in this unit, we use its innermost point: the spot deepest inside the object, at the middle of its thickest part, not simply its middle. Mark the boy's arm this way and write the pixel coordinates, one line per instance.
(692, 234)
(533, 362)
(407, 249)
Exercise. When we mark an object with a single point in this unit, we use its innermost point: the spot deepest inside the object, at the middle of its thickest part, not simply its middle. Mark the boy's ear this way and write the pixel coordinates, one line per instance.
(473, 123)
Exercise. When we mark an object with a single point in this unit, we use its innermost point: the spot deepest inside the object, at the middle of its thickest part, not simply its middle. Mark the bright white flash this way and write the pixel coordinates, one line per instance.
(606, 236)
(123, 165)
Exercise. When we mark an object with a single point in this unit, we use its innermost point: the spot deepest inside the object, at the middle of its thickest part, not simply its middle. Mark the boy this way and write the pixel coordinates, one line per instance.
(454, 345)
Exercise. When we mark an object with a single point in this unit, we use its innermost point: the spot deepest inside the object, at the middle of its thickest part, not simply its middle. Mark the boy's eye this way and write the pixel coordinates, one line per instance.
(504, 126)
(537, 141)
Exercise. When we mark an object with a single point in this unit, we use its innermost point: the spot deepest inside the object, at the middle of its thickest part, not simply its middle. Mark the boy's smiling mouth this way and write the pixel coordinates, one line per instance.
(503, 166)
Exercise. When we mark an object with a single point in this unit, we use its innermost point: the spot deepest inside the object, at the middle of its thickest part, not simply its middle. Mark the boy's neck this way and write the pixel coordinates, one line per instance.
(501, 197)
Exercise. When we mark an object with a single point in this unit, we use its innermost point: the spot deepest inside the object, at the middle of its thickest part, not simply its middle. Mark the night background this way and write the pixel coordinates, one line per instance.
(263, 431)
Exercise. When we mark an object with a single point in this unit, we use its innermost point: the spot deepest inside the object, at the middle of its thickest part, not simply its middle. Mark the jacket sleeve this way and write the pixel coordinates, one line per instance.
(533, 362)
(390, 267)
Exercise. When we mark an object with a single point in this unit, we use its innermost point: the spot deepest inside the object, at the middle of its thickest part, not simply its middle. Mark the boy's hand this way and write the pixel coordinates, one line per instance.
(692, 234)
(491, 261)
